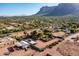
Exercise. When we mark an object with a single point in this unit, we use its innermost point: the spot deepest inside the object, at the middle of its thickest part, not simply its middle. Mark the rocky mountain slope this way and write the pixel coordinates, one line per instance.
(61, 10)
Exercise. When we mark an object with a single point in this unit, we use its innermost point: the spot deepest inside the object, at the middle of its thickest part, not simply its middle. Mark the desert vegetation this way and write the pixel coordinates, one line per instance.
(46, 32)
(21, 23)
(44, 25)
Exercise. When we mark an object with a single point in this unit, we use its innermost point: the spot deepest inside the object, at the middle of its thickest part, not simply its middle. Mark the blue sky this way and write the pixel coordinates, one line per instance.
(17, 9)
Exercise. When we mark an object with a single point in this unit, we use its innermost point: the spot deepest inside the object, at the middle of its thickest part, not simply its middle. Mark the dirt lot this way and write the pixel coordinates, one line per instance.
(64, 48)
(68, 48)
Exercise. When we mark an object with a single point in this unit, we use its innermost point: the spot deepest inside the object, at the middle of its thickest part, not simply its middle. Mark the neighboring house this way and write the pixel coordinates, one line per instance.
(19, 34)
(7, 41)
(67, 31)
(10, 27)
(14, 24)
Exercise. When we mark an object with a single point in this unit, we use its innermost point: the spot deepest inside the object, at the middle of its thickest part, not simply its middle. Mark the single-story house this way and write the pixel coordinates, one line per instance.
(22, 44)
(25, 43)
(10, 27)
(19, 34)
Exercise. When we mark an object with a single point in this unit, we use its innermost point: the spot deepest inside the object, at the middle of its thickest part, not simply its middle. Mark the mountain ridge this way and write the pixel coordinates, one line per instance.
(61, 10)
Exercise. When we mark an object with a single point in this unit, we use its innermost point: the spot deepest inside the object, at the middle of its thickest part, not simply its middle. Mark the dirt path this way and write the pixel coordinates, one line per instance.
(72, 36)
